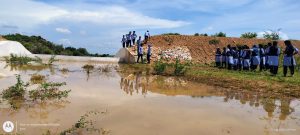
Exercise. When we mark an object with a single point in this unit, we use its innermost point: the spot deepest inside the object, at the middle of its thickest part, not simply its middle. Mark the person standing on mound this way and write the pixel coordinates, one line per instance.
(133, 37)
(149, 52)
(124, 41)
(147, 36)
(140, 53)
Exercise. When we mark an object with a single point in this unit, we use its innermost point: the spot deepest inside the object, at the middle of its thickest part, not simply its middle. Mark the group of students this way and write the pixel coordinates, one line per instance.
(264, 57)
(129, 40)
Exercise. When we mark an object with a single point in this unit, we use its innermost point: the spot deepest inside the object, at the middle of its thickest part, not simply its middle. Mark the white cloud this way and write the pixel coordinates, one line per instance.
(64, 41)
(27, 13)
(63, 30)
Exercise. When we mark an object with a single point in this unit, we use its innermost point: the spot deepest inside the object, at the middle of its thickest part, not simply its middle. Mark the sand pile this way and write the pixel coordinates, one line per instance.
(8, 47)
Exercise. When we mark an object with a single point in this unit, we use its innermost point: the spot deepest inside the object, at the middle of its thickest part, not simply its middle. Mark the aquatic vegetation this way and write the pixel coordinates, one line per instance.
(37, 79)
(85, 123)
(18, 60)
(88, 68)
(14, 59)
(45, 90)
(51, 60)
(16, 91)
(49, 90)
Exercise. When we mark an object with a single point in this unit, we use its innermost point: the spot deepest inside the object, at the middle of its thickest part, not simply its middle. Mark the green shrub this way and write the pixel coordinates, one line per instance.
(197, 34)
(159, 67)
(214, 42)
(18, 60)
(220, 34)
(49, 90)
(17, 91)
(249, 35)
(51, 60)
(180, 69)
(171, 34)
(272, 34)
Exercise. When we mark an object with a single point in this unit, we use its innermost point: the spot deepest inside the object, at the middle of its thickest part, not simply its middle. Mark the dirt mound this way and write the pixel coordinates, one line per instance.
(202, 48)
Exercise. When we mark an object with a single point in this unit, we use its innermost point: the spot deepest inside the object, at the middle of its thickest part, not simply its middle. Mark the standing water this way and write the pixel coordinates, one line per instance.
(105, 101)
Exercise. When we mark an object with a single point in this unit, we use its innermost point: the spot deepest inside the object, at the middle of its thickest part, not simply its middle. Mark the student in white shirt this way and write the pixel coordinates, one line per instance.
(133, 37)
(147, 35)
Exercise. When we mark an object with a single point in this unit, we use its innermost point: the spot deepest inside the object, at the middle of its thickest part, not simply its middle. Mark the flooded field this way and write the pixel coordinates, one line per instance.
(138, 103)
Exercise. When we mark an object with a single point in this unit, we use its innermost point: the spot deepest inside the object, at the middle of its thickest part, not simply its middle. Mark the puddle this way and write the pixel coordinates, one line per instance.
(139, 103)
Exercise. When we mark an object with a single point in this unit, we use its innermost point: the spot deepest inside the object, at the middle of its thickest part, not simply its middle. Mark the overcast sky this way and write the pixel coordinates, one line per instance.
(98, 25)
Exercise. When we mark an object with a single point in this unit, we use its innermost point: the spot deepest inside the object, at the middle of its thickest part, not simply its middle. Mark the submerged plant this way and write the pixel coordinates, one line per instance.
(88, 68)
(18, 60)
(37, 79)
(86, 123)
(51, 60)
(49, 90)
(17, 91)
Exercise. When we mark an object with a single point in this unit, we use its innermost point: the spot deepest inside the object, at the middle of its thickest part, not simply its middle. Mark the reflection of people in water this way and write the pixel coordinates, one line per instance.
(129, 86)
(285, 108)
(269, 106)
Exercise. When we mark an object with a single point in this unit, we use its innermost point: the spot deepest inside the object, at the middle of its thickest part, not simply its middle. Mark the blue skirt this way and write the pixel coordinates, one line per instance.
(273, 60)
(289, 61)
(255, 60)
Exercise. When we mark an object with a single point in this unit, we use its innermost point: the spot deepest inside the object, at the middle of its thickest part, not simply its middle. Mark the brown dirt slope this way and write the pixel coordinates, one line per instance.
(2, 39)
(200, 49)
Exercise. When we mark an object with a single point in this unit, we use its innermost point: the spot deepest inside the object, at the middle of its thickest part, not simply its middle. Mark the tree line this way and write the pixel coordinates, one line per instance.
(39, 45)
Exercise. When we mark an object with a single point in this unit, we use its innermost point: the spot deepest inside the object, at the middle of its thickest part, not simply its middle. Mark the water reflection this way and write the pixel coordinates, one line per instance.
(141, 84)
(35, 109)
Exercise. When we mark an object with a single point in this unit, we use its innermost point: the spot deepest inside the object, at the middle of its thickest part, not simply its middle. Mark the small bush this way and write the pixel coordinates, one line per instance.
(220, 34)
(180, 69)
(52, 59)
(249, 35)
(17, 91)
(196, 34)
(214, 42)
(171, 34)
(49, 90)
(159, 67)
(272, 34)
(18, 60)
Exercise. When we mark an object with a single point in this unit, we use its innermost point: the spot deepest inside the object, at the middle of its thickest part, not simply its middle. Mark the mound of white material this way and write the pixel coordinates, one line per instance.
(8, 47)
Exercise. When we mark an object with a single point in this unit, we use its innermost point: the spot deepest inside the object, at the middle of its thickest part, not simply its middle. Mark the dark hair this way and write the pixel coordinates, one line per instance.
(287, 42)
(275, 43)
(269, 44)
(261, 46)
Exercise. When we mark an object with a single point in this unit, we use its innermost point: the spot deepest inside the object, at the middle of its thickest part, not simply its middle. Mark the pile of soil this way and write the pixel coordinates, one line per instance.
(201, 48)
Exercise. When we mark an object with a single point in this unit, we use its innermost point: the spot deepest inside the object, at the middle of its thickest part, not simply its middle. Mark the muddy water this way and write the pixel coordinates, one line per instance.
(141, 104)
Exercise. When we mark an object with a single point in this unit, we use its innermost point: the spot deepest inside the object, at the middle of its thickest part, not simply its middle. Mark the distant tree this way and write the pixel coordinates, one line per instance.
(205, 34)
(171, 34)
(39, 45)
(220, 34)
(272, 34)
(249, 35)
(196, 34)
